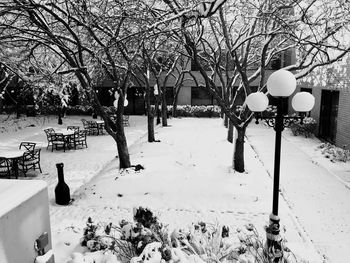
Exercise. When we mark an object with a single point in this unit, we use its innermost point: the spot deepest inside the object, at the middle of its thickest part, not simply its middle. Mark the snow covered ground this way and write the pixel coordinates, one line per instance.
(316, 189)
(187, 178)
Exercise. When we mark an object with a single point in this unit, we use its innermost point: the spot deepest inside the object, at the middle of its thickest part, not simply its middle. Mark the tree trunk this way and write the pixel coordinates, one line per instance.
(222, 114)
(123, 152)
(164, 108)
(238, 156)
(150, 126)
(176, 96)
(116, 130)
(18, 115)
(150, 116)
(122, 145)
(174, 109)
(157, 111)
(225, 121)
(230, 132)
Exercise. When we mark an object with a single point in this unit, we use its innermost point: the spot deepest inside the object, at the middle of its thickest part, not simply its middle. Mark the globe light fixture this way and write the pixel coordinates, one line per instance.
(156, 90)
(115, 103)
(280, 84)
(257, 102)
(303, 101)
(116, 95)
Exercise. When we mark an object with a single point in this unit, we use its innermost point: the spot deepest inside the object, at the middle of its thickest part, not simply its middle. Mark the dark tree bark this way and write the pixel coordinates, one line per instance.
(238, 158)
(150, 115)
(164, 108)
(226, 120)
(230, 132)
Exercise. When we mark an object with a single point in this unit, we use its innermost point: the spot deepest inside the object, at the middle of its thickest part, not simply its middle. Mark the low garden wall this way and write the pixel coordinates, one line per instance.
(24, 217)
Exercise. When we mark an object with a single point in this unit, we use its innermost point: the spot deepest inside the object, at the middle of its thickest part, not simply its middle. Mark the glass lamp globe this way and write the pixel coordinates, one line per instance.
(126, 102)
(257, 101)
(281, 83)
(115, 103)
(303, 101)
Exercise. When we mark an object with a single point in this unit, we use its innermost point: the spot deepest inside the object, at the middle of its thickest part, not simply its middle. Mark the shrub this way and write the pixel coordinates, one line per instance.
(307, 128)
(79, 110)
(335, 153)
(196, 111)
(181, 110)
(148, 240)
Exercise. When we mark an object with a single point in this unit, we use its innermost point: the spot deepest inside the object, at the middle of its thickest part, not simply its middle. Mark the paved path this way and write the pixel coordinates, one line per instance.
(315, 195)
(187, 178)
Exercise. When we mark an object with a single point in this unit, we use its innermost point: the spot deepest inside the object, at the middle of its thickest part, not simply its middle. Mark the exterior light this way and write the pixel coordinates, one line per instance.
(281, 83)
(116, 95)
(115, 103)
(257, 102)
(303, 101)
(156, 90)
(126, 102)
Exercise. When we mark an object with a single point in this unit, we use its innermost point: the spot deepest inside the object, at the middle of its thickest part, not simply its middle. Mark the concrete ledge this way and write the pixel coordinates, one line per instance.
(24, 216)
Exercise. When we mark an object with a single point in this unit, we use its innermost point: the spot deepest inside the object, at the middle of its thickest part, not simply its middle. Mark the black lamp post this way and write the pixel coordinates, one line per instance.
(281, 84)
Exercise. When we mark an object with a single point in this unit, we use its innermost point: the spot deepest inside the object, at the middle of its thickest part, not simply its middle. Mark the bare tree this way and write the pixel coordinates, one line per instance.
(88, 37)
(254, 36)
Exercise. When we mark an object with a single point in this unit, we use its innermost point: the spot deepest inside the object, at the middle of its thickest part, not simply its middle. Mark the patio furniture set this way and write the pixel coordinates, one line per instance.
(23, 159)
(70, 138)
(27, 157)
(94, 127)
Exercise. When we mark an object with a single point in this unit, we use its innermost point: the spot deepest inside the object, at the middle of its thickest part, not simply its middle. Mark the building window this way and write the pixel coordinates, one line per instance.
(287, 58)
(306, 90)
(200, 96)
(276, 62)
(169, 95)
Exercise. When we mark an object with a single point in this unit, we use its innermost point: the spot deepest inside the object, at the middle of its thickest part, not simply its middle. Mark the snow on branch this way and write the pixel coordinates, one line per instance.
(72, 70)
(206, 9)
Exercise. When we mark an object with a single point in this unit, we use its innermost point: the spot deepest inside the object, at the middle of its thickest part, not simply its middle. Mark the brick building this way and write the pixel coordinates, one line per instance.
(331, 88)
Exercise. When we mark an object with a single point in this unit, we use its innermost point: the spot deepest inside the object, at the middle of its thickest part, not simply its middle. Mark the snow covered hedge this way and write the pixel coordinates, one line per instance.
(307, 128)
(182, 110)
(196, 111)
(334, 153)
(146, 240)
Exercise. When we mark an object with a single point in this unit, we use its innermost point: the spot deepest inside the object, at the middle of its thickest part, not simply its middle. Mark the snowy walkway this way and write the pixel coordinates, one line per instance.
(187, 178)
(315, 195)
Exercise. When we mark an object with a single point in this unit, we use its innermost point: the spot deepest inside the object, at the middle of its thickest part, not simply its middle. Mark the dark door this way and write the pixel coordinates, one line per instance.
(328, 115)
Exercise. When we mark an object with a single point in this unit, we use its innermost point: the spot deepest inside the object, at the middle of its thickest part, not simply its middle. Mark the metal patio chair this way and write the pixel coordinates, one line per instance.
(29, 146)
(5, 168)
(48, 132)
(30, 160)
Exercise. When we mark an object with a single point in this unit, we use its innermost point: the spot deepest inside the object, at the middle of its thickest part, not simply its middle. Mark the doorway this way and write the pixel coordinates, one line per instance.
(329, 115)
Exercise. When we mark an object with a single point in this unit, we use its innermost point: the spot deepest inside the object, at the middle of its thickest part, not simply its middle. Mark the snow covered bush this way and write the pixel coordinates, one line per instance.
(146, 240)
(80, 110)
(196, 111)
(334, 153)
(307, 128)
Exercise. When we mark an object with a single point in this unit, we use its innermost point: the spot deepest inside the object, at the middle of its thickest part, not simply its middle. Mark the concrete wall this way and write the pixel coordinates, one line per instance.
(24, 216)
(184, 96)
